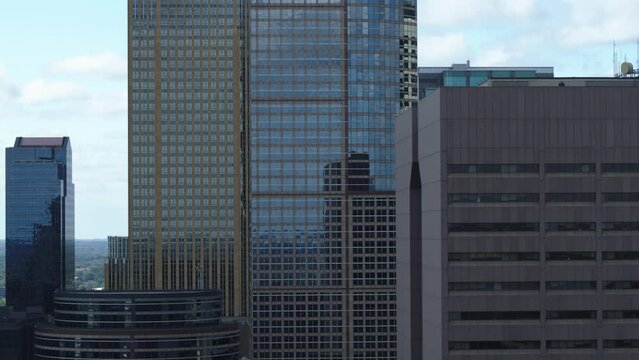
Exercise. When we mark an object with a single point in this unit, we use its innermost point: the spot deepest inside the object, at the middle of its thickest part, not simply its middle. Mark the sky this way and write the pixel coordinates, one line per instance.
(63, 72)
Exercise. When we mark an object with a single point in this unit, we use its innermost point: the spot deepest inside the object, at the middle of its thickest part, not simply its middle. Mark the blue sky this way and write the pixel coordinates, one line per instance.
(63, 72)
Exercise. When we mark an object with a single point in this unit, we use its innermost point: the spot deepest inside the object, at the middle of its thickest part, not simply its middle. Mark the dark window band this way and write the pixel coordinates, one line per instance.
(620, 255)
(620, 226)
(494, 286)
(569, 168)
(621, 314)
(571, 285)
(493, 198)
(493, 256)
(493, 315)
(570, 197)
(492, 227)
(570, 226)
(621, 285)
(621, 197)
(571, 256)
(571, 344)
(620, 168)
(493, 168)
(494, 345)
(570, 314)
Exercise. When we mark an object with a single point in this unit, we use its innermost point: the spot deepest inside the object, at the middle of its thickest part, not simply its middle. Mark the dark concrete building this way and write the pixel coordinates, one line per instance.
(40, 222)
(518, 220)
(139, 325)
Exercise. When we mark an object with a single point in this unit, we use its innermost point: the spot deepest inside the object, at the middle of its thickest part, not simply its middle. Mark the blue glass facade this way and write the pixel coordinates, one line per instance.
(40, 221)
(327, 78)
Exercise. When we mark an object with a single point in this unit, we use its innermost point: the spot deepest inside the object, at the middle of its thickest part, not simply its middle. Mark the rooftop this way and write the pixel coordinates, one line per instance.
(39, 141)
(467, 67)
(564, 82)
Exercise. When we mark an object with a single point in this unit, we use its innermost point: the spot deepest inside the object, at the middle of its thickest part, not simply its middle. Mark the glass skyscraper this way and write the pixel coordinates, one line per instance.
(187, 158)
(40, 239)
(327, 78)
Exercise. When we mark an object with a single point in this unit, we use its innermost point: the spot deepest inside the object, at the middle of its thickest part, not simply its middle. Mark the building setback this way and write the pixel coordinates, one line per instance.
(464, 75)
(39, 222)
(326, 80)
(518, 216)
(187, 157)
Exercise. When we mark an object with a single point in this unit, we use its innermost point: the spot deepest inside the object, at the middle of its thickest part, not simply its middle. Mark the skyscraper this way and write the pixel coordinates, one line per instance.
(40, 232)
(327, 78)
(518, 215)
(187, 156)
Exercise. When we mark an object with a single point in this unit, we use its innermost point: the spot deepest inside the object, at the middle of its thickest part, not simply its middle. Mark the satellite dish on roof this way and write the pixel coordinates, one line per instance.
(627, 68)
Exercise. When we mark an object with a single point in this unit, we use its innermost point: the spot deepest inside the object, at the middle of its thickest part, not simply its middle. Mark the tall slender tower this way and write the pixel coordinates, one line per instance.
(187, 165)
(40, 222)
(327, 79)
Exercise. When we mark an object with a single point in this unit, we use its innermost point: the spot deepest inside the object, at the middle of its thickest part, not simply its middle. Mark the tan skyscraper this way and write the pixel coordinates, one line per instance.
(187, 161)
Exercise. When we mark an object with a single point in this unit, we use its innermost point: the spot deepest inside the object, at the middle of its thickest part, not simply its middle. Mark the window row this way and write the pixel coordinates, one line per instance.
(535, 286)
(536, 345)
(549, 226)
(534, 197)
(549, 168)
(534, 256)
(523, 315)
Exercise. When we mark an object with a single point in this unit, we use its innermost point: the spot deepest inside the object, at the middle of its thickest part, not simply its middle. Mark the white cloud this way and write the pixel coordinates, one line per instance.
(442, 50)
(497, 56)
(110, 103)
(42, 91)
(105, 64)
(597, 22)
(460, 12)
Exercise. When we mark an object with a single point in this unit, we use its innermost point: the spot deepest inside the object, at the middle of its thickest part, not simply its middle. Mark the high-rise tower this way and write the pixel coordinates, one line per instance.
(40, 222)
(187, 168)
(327, 79)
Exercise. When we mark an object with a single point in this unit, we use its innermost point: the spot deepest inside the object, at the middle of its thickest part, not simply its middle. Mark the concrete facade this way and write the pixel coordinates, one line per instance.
(518, 216)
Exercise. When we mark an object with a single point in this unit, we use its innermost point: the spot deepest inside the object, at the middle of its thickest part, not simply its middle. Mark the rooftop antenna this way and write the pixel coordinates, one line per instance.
(614, 58)
(637, 63)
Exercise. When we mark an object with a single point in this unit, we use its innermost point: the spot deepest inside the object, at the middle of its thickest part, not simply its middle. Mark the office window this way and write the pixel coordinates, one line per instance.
(620, 226)
(493, 168)
(570, 226)
(493, 315)
(493, 345)
(621, 314)
(571, 344)
(493, 256)
(569, 168)
(620, 255)
(493, 198)
(571, 315)
(571, 256)
(492, 227)
(621, 197)
(570, 285)
(570, 197)
(621, 285)
(621, 344)
(619, 168)
(493, 286)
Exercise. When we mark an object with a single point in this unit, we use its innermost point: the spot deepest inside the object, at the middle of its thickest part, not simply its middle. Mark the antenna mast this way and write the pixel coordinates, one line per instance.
(614, 58)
